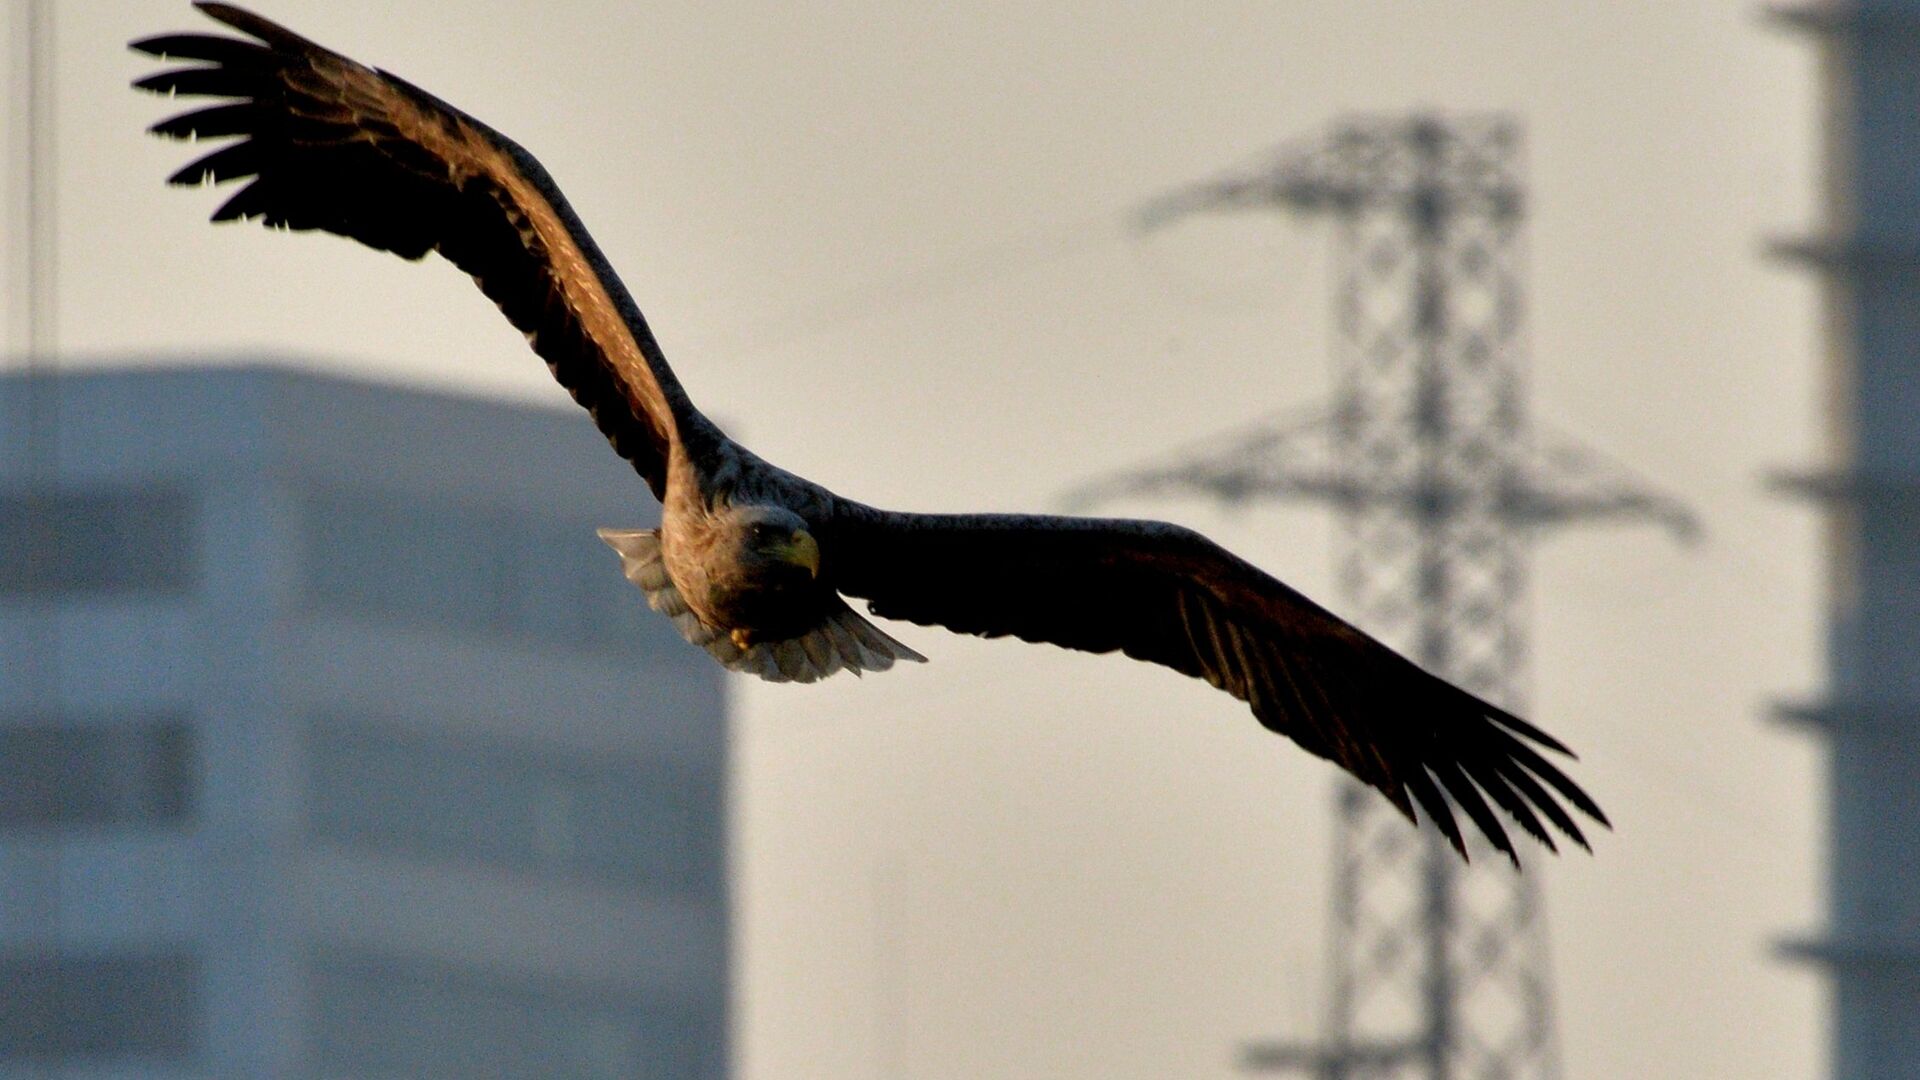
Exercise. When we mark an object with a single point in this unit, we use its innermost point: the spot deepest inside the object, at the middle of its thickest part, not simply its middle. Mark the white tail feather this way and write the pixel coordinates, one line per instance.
(842, 642)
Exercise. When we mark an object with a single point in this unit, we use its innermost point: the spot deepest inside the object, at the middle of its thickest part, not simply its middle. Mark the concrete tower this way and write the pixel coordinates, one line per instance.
(1869, 487)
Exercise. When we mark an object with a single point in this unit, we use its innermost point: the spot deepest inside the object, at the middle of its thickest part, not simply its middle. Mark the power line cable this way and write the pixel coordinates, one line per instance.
(971, 269)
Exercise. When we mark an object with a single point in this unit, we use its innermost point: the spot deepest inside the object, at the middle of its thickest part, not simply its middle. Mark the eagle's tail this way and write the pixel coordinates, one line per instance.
(843, 641)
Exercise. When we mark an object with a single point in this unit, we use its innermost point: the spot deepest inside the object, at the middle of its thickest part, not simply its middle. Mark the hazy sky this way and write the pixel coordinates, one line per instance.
(884, 243)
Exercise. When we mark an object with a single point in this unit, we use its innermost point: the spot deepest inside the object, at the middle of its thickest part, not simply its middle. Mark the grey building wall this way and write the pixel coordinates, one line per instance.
(1869, 258)
(332, 743)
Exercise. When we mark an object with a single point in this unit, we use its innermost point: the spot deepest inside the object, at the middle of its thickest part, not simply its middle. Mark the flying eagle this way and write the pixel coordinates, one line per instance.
(751, 562)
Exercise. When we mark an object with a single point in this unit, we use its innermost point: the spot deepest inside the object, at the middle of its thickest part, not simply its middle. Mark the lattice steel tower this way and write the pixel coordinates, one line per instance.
(1437, 969)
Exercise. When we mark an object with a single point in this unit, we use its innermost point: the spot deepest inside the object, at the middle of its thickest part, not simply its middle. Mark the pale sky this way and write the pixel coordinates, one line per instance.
(884, 243)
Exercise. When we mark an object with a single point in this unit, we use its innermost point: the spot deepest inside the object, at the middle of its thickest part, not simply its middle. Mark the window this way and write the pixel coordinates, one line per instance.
(63, 1005)
(652, 824)
(416, 561)
(110, 540)
(96, 775)
(436, 562)
(404, 1018)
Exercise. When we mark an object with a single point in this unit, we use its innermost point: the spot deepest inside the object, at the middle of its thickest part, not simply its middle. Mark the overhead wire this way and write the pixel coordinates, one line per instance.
(969, 269)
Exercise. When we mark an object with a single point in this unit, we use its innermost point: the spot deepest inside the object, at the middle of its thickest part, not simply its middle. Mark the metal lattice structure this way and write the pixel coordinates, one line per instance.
(1437, 969)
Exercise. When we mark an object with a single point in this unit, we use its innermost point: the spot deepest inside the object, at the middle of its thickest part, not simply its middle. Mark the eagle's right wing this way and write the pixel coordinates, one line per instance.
(1167, 595)
(333, 144)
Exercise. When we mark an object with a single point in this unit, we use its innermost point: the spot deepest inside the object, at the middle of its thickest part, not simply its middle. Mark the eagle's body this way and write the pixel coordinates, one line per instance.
(751, 562)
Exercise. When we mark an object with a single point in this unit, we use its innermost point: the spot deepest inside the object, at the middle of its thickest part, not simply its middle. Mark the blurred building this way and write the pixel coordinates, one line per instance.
(1869, 258)
(332, 743)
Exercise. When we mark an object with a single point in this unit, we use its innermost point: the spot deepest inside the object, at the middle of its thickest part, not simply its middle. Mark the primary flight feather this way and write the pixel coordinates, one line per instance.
(751, 562)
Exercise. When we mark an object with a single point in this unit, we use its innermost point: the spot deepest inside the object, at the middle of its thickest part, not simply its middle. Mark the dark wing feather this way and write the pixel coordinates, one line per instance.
(328, 143)
(1168, 595)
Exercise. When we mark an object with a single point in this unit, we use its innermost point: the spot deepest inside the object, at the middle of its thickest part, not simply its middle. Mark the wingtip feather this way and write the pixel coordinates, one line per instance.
(1469, 799)
(1531, 760)
(160, 82)
(1438, 812)
(1514, 799)
(1522, 728)
(258, 26)
(153, 46)
(203, 47)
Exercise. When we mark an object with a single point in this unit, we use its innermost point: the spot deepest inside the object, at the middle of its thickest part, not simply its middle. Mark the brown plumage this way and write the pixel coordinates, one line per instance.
(751, 562)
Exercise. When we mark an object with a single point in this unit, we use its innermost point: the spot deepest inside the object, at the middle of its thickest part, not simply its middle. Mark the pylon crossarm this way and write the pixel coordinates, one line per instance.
(1552, 479)
(1565, 480)
(1283, 455)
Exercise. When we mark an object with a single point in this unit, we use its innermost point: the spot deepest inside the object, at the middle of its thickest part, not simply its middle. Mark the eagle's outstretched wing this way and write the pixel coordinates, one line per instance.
(332, 144)
(1166, 594)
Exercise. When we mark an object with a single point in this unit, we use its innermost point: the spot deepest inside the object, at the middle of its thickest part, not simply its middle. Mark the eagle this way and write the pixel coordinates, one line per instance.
(754, 564)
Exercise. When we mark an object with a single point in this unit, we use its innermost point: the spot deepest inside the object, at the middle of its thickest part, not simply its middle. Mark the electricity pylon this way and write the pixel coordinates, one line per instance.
(1437, 969)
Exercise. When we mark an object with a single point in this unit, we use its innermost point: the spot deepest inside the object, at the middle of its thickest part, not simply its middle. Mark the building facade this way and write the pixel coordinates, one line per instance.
(333, 745)
(1869, 258)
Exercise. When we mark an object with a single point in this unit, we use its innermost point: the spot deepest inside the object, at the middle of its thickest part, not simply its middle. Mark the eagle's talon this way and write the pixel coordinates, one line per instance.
(741, 639)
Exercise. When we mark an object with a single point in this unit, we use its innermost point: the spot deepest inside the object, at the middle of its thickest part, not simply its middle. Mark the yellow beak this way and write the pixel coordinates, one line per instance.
(803, 550)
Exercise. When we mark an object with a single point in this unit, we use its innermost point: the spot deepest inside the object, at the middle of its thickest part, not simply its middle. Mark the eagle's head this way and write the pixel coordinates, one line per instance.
(770, 545)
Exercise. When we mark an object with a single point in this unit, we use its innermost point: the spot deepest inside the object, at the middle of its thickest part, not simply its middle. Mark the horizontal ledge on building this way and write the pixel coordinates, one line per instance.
(1854, 953)
(1812, 715)
(1846, 254)
(1851, 716)
(1840, 486)
(1825, 19)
